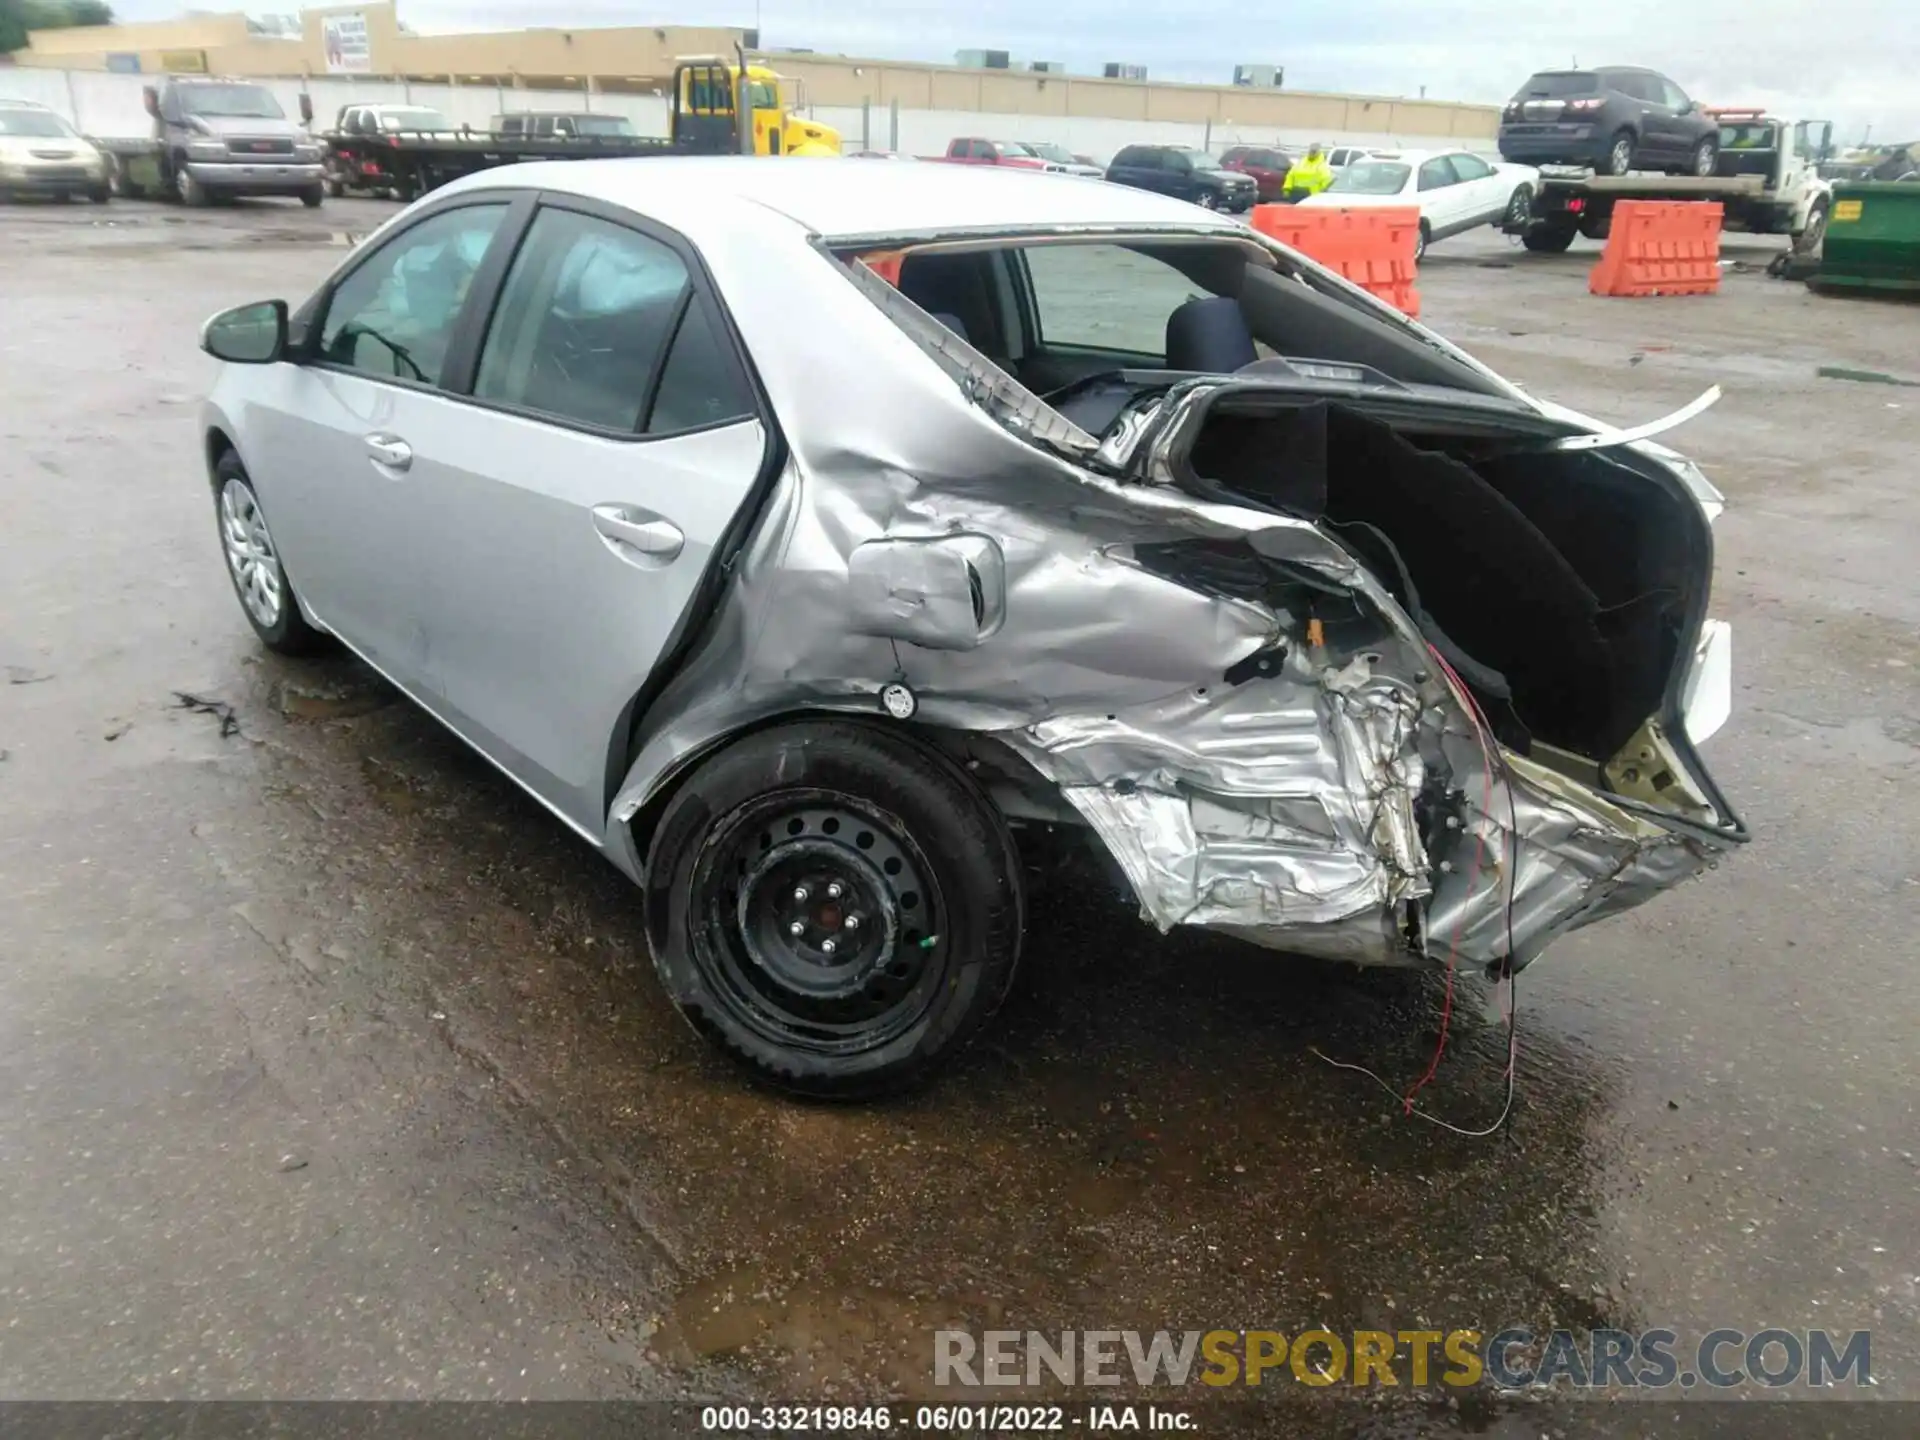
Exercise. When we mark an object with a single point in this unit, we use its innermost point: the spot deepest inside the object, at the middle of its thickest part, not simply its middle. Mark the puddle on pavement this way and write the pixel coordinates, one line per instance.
(1144, 1140)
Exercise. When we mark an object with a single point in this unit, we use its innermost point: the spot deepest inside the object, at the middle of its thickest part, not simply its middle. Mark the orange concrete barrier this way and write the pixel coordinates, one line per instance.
(1372, 246)
(1660, 247)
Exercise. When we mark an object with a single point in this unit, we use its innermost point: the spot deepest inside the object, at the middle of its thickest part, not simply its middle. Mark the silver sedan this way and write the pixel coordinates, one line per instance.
(803, 536)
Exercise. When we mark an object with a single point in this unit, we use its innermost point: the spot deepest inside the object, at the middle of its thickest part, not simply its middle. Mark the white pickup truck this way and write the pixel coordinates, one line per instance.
(1766, 178)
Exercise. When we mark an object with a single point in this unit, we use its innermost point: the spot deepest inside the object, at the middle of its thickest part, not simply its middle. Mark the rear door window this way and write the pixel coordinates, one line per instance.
(1437, 174)
(1470, 167)
(603, 326)
(1104, 297)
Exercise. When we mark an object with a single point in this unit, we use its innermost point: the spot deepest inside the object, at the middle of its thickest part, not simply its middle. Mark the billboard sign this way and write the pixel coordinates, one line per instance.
(344, 39)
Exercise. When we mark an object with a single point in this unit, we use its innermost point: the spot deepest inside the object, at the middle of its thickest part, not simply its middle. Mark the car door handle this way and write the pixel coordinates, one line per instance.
(389, 450)
(638, 530)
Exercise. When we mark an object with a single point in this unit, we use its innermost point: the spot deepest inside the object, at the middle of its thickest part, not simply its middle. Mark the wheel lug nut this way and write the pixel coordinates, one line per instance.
(796, 928)
(853, 922)
(828, 946)
(800, 895)
(836, 890)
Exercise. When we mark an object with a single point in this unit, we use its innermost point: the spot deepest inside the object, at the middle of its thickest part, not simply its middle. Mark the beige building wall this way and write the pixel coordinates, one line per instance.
(642, 57)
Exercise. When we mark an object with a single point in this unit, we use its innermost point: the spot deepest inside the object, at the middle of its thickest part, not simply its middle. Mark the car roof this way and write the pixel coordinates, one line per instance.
(704, 195)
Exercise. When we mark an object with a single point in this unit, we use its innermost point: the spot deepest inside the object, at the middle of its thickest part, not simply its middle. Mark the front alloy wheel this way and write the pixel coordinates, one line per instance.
(1208, 200)
(253, 564)
(835, 905)
(256, 569)
(1620, 156)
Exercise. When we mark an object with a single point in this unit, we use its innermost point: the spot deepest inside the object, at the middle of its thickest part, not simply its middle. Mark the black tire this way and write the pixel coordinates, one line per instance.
(1807, 242)
(190, 191)
(751, 843)
(1703, 158)
(100, 194)
(313, 196)
(1548, 239)
(287, 632)
(118, 182)
(1519, 209)
(1421, 241)
(1617, 161)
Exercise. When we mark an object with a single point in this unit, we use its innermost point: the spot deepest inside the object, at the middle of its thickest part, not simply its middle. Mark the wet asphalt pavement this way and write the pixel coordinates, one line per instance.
(335, 1067)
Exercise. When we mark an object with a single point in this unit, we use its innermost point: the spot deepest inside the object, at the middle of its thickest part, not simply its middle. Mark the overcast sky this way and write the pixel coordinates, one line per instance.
(1852, 61)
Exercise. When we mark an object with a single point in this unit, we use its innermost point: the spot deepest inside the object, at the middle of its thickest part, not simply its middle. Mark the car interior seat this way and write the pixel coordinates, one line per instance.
(1209, 335)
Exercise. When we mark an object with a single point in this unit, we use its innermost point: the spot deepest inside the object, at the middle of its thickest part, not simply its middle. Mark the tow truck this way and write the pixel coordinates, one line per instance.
(720, 107)
(1766, 178)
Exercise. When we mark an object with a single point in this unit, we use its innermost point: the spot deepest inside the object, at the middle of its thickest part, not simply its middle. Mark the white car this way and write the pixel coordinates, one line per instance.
(1455, 190)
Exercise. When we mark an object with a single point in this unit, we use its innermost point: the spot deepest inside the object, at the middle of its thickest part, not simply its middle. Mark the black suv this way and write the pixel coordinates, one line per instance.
(1185, 174)
(1615, 119)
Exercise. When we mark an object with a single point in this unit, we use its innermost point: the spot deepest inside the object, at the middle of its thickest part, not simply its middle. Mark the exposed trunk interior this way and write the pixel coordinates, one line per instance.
(1558, 584)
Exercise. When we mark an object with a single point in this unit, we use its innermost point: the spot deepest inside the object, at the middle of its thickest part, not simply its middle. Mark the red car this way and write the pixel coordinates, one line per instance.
(1267, 166)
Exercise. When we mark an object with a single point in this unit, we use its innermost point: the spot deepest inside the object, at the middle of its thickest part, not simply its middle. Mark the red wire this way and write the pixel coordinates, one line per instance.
(1473, 875)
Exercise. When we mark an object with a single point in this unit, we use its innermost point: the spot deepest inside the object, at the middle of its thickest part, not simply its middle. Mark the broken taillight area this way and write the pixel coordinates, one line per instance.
(1464, 737)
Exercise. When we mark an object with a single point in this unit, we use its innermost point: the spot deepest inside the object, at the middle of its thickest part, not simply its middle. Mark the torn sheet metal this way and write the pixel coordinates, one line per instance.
(986, 556)
(1281, 804)
(1560, 858)
(1609, 438)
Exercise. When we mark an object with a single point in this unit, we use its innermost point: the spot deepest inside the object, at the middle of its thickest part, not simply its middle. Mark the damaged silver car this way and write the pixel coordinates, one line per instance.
(799, 534)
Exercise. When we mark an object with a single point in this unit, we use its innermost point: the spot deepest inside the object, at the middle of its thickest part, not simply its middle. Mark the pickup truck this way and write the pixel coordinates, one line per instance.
(972, 150)
(353, 166)
(1766, 178)
(560, 125)
(215, 139)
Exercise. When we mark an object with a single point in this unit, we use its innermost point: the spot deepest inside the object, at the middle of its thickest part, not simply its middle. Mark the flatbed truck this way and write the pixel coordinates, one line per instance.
(1766, 179)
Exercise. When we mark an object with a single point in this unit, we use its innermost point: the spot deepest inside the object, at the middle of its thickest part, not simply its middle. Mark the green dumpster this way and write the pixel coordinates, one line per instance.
(1873, 237)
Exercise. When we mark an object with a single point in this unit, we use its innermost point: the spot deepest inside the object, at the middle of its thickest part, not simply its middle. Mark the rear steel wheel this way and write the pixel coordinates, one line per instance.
(822, 926)
(835, 904)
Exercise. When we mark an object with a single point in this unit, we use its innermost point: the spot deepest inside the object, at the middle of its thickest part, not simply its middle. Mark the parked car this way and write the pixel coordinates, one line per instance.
(1063, 161)
(1267, 166)
(1452, 189)
(41, 154)
(1331, 639)
(1615, 119)
(1185, 174)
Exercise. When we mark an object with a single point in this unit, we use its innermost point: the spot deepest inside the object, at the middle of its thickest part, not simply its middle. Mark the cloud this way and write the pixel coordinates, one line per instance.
(1852, 61)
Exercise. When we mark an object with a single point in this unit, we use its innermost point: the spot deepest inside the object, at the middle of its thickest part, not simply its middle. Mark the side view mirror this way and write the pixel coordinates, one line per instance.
(306, 108)
(247, 334)
(150, 97)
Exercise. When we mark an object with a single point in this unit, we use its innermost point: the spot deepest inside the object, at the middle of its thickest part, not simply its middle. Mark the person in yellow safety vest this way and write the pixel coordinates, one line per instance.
(1311, 175)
